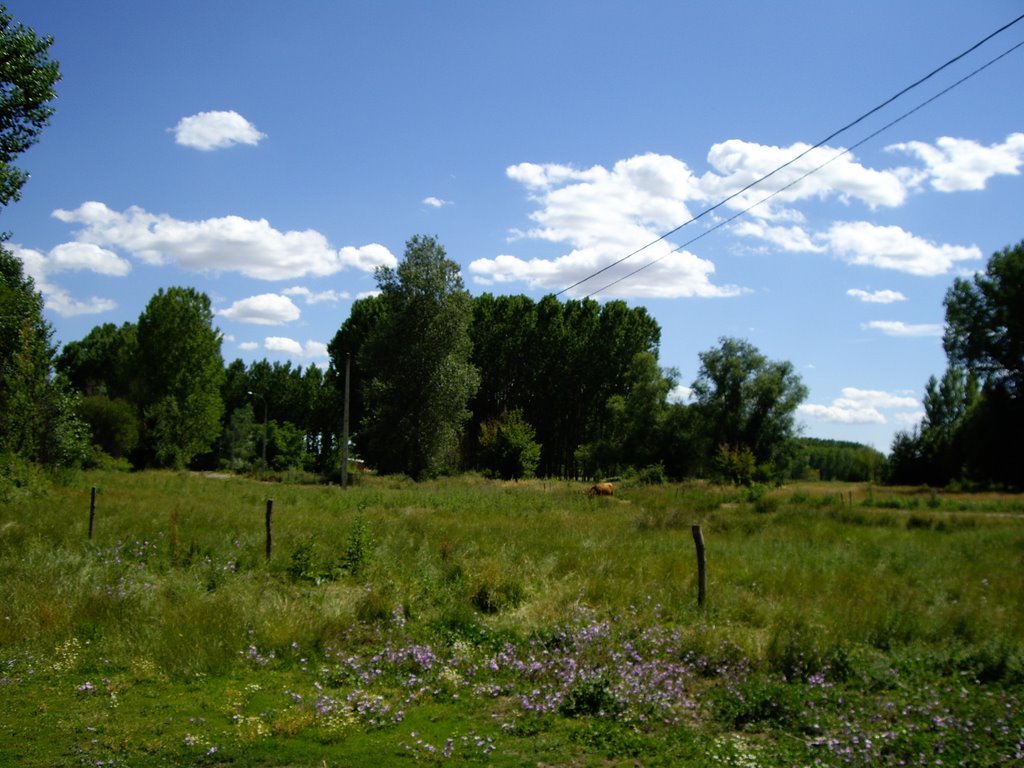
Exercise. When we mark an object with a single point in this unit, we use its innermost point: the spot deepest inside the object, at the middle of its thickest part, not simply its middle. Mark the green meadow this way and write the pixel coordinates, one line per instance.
(470, 621)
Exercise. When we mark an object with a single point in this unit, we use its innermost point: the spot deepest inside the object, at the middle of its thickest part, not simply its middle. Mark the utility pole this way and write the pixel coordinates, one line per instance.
(344, 426)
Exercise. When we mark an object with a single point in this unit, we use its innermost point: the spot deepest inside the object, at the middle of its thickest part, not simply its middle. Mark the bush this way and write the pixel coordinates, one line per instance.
(653, 474)
(358, 550)
(736, 465)
(19, 478)
(508, 448)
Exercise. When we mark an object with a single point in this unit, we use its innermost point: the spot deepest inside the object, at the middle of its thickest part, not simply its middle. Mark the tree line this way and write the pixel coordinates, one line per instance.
(440, 382)
(974, 414)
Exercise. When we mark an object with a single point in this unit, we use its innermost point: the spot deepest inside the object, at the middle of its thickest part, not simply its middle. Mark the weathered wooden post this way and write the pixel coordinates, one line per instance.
(270, 511)
(702, 574)
(92, 510)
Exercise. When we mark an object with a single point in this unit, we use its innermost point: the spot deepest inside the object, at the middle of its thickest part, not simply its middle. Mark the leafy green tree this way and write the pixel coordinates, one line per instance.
(113, 423)
(38, 411)
(27, 87)
(746, 402)
(418, 364)
(644, 409)
(985, 337)
(505, 353)
(365, 319)
(508, 446)
(181, 372)
(299, 401)
(948, 404)
(323, 410)
(985, 322)
(679, 445)
(906, 459)
(103, 363)
(561, 364)
(630, 434)
(239, 440)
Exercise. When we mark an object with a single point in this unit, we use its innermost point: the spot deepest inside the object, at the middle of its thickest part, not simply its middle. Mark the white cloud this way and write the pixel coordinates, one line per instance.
(890, 247)
(249, 345)
(73, 256)
(680, 394)
(909, 418)
(40, 266)
(899, 328)
(315, 349)
(230, 243)
(265, 309)
(878, 398)
(837, 414)
(600, 215)
(216, 130)
(316, 298)
(534, 176)
(291, 347)
(676, 275)
(858, 406)
(739, 163)
(792, 238)
(876, 297)
(87, 256)
(61, 302)
(367, 258)
(955, 165)
(436, 202)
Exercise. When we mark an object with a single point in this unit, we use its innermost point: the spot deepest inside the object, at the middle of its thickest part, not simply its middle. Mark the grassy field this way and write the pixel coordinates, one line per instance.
(468, 621)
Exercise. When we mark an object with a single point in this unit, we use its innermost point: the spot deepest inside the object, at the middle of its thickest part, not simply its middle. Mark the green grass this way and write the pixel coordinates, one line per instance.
(467, 621)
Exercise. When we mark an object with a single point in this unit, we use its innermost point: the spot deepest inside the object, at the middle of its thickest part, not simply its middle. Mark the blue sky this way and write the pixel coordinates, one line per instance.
(272, 154)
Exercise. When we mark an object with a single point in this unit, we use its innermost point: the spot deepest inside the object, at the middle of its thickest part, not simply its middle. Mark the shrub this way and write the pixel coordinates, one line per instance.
(358, 550)
(19, 478)
(508, 448)
(735, 464)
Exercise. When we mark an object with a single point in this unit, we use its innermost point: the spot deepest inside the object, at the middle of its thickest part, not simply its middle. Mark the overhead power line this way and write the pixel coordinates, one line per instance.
(803, 176)
(807, 151)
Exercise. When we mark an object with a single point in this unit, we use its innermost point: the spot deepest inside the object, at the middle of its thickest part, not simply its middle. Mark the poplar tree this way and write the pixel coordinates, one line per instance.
(181, 372)
(416, 364)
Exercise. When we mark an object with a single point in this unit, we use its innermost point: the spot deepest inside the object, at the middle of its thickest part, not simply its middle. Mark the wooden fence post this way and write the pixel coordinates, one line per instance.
(702, 575)
(92, 510)
(270, 511)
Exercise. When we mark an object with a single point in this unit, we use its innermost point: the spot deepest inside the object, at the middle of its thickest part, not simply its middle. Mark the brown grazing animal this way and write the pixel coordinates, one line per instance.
(601, 489)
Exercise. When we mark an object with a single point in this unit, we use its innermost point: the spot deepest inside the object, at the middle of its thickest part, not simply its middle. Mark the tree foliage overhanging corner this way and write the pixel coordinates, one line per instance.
(37, 409)
(417, 364)
(27, 80)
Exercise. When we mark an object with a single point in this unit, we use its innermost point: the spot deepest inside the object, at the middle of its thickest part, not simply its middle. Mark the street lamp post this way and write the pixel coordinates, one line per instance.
(264, 399)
